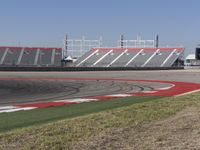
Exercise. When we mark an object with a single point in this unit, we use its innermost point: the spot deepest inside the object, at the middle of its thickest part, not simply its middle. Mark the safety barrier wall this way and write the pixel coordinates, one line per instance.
(86, 68)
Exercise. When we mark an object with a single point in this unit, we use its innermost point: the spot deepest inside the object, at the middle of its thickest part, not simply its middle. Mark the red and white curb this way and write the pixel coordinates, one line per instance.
(30, 106)
(78, 100)
(174, 89)
(14, 108)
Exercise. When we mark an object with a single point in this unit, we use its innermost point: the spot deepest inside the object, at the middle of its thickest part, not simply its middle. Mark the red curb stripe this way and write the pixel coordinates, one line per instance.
(104, 97)
(46, 104)
(178, 88)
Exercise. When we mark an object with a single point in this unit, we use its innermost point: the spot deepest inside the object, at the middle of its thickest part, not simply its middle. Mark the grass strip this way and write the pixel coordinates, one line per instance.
(38, 116)
(66, 133)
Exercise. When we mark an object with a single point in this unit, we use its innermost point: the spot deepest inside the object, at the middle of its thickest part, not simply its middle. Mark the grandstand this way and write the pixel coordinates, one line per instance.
(137, 53)
(132, 57)
(30, 56)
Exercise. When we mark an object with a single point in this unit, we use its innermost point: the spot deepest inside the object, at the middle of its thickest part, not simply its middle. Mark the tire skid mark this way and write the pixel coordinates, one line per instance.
(174, 89)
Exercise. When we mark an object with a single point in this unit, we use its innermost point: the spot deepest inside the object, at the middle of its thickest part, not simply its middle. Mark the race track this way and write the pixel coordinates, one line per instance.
(25, 87)
(16, 91)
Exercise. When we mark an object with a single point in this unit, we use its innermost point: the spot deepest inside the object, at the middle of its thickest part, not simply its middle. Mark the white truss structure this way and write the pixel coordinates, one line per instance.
(138, 43)
(77, 47)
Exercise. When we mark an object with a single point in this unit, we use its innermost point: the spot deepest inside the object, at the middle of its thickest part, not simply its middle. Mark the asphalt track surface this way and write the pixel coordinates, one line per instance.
(25, 89)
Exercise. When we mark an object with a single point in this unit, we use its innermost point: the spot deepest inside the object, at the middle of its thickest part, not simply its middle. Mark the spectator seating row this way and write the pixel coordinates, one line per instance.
(30, 56)
(130, 57)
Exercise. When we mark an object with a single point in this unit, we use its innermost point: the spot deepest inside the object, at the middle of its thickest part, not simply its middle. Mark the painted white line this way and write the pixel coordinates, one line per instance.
(13, 110)
(187, 93)
(18, 109)
(29, 108)
(166, 88)
(149, 91)
(78, 100)
(119, 95)
(7, 107)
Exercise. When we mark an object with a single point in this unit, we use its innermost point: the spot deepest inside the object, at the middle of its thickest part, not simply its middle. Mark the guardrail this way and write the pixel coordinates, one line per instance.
(86, 68)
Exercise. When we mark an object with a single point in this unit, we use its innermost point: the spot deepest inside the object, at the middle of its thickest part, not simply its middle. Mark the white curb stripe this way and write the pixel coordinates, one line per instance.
(7, 107)
(119, 95)
(166, 88)
(187, 93)
(78, 100)
(18, 109)
(149, 91)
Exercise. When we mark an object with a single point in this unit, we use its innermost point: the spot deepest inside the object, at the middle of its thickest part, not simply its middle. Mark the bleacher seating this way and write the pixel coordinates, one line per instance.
(126, 55)
(30, 56)
(58, 56)
(159, 58)
(12, 55)
(140, 60)
(130, 57)
(96, 57)
(110, 58)
(2, 54)
(45, 57)
(173, 57)
(81, 60)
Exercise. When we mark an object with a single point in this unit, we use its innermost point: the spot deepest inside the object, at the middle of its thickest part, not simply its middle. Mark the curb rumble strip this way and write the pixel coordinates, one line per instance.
(175, 89)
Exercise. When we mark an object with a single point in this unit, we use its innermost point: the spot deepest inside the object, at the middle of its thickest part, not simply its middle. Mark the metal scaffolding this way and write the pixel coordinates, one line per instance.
(138, 43)
(77, 47)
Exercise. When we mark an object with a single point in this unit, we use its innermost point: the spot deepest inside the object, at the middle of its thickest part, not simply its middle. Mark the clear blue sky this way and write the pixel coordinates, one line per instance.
(45, 22)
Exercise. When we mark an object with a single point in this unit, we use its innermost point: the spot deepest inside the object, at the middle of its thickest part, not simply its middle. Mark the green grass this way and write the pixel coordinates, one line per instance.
(39, 116)
(66, 133)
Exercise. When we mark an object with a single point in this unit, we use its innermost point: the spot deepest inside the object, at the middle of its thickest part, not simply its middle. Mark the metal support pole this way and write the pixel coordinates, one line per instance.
(122, 41)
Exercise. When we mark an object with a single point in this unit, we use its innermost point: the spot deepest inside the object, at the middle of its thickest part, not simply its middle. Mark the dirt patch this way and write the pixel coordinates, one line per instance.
(181, 131)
